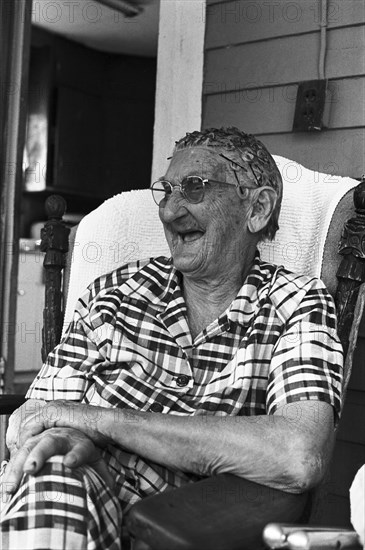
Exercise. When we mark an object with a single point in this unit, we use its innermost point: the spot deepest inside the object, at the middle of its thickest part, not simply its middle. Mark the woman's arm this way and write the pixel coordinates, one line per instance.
(288, 450)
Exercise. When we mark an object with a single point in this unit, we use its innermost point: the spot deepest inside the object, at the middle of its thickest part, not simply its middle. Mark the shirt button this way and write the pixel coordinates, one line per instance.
(182, 380)
(156, 407)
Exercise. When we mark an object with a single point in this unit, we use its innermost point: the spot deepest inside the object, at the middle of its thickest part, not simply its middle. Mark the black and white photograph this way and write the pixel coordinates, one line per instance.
(182, 274)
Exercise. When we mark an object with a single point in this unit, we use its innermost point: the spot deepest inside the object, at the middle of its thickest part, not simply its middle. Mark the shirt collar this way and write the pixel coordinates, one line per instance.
(159, 283)
(253, 291)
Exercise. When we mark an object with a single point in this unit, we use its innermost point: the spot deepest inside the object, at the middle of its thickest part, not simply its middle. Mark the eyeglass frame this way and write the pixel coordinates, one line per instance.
(239, 187)
(204, 181)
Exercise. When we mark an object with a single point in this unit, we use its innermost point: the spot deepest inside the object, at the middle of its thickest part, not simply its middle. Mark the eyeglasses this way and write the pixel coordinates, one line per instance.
(192, 189)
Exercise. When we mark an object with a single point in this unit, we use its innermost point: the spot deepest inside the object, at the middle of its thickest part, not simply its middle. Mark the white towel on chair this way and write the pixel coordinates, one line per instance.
(124, 228)
(127, 227)
(309, 201)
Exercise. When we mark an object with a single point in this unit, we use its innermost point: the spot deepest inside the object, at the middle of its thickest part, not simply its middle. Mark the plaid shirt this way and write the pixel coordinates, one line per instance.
(129, 346)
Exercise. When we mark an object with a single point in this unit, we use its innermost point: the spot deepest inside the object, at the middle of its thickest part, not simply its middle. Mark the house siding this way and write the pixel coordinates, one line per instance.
(256, 53)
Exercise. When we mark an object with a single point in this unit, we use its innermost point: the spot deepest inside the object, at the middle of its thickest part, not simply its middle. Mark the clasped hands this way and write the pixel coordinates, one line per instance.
(39, 430)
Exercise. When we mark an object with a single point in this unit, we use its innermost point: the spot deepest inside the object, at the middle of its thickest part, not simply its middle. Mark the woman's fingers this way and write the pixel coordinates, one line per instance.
(49, 445)
(82, 452)
(31, 408)
(31, 457)
(15, 468)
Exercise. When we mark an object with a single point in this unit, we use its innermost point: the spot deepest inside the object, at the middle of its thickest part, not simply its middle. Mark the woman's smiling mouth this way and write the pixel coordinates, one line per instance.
(190, 236)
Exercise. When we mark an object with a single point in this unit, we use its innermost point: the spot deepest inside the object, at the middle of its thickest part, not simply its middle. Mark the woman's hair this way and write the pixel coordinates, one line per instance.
(248, 157)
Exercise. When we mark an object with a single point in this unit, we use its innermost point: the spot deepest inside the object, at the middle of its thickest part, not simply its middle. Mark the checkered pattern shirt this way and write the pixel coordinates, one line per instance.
(129, 346)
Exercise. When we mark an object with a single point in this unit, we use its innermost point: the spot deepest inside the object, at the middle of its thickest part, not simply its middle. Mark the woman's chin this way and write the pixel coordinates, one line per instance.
(186, 263)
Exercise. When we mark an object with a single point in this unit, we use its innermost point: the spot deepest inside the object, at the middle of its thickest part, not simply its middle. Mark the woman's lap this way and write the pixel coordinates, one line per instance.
(61, 508)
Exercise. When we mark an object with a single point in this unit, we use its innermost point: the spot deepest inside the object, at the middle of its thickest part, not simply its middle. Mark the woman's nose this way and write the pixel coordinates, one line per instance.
(173, 207)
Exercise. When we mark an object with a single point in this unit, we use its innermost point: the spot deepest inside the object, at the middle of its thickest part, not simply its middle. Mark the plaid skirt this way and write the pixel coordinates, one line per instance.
(62, 508)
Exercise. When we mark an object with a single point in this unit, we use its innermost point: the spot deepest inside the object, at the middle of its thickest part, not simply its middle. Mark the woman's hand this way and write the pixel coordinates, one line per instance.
(91, 420)
(32, 408)
(77, 448)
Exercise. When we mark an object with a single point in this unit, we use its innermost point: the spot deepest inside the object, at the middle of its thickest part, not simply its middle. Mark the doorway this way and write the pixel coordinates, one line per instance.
(90, 117)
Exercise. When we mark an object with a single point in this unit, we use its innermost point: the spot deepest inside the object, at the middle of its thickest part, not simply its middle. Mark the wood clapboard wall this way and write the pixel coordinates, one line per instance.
(256, 52)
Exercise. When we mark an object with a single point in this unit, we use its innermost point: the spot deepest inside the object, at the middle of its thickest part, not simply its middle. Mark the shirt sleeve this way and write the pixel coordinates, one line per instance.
(66, 372)
(307, 361)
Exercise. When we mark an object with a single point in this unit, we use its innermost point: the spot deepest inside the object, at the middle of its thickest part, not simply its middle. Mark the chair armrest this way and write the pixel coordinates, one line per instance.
(9, 403)
(306, 537)
(223, 512)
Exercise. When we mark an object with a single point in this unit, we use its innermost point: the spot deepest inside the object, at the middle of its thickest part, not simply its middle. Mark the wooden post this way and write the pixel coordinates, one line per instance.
(15, 28)
(55, 244)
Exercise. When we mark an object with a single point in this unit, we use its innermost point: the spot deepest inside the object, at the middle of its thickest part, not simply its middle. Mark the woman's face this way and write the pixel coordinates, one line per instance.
(205, 238)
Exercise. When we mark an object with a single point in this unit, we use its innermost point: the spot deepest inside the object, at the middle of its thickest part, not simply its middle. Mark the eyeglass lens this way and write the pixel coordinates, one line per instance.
(192, 188)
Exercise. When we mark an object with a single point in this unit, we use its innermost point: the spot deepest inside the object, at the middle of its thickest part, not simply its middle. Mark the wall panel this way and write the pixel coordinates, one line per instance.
(271, 109)
(285, 60)
(337, 152)
(243, 21)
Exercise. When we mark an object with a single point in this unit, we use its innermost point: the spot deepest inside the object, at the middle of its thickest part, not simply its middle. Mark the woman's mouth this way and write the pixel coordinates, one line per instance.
(190, 236)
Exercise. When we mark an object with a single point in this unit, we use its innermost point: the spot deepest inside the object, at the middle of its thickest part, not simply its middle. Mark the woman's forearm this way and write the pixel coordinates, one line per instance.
(284, 451)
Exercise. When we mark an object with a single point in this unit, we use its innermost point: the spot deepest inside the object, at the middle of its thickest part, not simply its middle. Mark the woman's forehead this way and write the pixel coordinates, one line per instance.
(198, 158)
(257, 167)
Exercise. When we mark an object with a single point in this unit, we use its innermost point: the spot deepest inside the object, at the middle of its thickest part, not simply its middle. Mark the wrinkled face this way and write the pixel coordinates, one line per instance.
(205, 238)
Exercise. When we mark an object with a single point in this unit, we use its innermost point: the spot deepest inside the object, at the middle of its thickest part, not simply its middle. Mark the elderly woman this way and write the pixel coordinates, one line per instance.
(177, 368)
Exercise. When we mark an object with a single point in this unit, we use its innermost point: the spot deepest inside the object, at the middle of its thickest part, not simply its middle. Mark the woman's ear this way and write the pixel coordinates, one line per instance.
(263, 204)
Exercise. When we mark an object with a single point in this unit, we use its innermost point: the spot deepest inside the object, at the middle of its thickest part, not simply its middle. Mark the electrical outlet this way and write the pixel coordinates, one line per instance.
(310, 106)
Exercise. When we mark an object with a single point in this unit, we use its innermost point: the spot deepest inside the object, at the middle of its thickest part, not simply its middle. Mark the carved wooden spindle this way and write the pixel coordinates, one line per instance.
(351, 273)
(54, 243)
